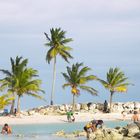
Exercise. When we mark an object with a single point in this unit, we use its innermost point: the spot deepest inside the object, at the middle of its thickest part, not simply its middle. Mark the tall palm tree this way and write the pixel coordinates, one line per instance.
(27, 84)
(57, 41)
(116, 81)
(9, 81)
(76, 78)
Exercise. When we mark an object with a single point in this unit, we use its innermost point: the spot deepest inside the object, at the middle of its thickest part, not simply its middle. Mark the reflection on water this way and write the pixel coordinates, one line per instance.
(45, 131)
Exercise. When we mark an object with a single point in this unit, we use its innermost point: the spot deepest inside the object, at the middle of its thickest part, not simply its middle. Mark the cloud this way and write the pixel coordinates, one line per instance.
(35, 11)
(99, 19)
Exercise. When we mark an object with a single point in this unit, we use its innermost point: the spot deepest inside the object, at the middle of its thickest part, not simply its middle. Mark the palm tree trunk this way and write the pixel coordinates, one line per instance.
(12, 107)
(53, 84)
(73, 103)
(111, 96)
(18, 105)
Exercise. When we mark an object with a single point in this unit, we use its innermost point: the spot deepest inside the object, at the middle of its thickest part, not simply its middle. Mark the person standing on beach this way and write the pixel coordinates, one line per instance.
(105, 107)
(135, 117)
(123, 115)
(15, 112)
(70, 116)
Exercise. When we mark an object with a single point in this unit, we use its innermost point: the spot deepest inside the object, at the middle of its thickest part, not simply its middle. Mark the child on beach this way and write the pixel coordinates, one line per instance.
(70, 116)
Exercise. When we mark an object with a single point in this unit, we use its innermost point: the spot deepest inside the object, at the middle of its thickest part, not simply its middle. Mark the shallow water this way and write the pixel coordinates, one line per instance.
(45, 131)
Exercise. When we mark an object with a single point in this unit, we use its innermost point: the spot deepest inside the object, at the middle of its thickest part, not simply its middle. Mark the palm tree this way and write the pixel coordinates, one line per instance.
(57, 42)
(21, 80)
(5, 100)
(76, 78)
(9, 81)
(27, 85)
(116, 82)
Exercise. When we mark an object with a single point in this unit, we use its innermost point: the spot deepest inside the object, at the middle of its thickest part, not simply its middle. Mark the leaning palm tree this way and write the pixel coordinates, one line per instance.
(116, 82)
(76, 78)
(27, 84)
(57, 41)
(9, 81)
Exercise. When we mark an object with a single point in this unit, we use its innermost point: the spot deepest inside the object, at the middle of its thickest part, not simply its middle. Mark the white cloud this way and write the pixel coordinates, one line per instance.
(29, 18)
(26, 11)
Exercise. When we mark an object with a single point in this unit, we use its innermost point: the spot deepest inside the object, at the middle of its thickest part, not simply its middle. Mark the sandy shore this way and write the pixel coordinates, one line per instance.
(79, 117)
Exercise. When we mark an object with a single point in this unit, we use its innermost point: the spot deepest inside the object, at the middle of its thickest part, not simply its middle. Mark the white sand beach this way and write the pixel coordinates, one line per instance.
(79, 117)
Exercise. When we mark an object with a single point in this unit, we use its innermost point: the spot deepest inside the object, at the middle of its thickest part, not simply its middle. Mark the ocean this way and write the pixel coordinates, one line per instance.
(46, 131)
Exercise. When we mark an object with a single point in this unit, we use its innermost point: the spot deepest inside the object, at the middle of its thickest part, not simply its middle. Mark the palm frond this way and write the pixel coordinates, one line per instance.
(83, 71)
(5, 100)
(35, 95)
(86, 79)
(66, 77)
(6, 72)
(47, 37)
(88, 89)
(66, 85)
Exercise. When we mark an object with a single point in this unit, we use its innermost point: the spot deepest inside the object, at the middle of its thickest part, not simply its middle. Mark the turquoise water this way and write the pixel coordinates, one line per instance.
(45, 131)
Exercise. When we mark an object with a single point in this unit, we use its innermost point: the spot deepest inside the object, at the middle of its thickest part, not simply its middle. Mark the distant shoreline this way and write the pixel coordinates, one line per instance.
(50, 119)
(84, 112)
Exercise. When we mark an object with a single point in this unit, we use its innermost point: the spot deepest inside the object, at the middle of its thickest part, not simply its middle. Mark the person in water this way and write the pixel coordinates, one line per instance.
(6, 129)
(135, 117)
(92, 126)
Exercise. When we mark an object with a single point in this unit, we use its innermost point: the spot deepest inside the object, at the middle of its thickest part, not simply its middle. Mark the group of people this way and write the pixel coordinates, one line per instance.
(134, 118)
(6, 113)
(92, 126)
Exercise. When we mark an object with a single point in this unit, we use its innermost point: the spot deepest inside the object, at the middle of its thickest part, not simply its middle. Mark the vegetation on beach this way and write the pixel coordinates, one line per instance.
(57, 43)
(20, 80)
(5, 100)
(9, 80)
(116, 81)
(76, 78)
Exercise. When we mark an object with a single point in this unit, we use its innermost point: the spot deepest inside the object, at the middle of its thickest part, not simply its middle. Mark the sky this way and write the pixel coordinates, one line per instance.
(105, 34)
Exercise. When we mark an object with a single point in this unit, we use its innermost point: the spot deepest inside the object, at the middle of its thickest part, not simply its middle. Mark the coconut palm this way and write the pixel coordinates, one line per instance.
(57, 41)
(21, 80)
(5, 100)
(77, 78)
(116, 81)
(27, 84)
(9, 81)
